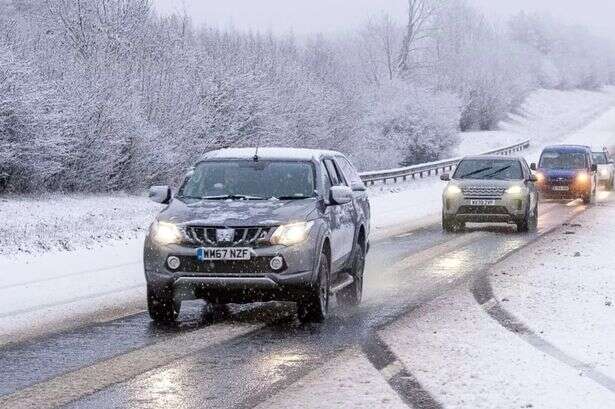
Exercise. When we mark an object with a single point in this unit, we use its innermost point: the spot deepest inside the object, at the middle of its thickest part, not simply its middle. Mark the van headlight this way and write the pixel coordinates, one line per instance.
(289, 234)
(583, 178)
(514, 190)
(166, 233)
(452, 191)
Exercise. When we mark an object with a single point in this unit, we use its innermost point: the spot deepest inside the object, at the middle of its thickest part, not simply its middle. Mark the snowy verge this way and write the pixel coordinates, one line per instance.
(563, 288)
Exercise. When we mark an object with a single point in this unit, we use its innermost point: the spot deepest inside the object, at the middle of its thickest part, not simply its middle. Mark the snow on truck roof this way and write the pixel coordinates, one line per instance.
(269, 153)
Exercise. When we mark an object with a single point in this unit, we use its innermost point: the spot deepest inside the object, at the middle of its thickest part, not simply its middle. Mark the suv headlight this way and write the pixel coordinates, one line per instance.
(583, 178)
(166, 233)
(514, 190)
(452, 190)
(289, 234)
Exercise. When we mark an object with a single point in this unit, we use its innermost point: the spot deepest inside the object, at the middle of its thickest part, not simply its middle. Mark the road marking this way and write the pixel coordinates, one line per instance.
(403, 236)
(71, 386)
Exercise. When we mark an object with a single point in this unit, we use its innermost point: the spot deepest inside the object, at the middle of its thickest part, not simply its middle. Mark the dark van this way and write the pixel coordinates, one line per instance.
(566, 172)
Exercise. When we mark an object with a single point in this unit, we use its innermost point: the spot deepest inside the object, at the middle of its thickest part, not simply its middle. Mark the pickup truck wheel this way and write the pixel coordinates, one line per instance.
(161, 306)
(315, 305)
(353, 294)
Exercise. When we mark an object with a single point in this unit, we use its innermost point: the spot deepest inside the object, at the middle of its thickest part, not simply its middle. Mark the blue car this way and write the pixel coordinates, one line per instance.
(566, 172)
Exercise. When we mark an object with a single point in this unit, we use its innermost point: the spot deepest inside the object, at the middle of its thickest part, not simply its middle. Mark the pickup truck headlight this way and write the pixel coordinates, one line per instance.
(289, 234)
(166, 233)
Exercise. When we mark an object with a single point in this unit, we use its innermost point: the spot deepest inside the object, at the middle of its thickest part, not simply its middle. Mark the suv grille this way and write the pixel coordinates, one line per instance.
(241, 236)
(483, 192)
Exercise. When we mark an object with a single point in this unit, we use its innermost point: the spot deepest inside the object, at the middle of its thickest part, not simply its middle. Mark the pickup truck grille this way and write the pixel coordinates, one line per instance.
(240, 236)
(483, 192)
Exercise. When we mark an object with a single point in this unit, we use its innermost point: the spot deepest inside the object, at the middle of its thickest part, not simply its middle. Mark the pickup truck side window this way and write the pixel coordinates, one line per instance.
(348, 170)
(334, 174)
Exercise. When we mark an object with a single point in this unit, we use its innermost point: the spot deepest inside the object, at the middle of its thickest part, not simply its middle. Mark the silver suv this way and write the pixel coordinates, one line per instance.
(491, 189)
(282, 224)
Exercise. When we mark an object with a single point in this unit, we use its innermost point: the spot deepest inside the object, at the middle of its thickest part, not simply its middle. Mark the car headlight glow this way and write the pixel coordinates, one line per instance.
(453, 190)
(540, 177)
(514, 190)
(582, 178)
(166, 233)
(604, 172)
(289, 234)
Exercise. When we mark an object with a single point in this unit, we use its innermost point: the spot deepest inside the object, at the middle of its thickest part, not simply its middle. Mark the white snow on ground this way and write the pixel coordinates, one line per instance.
(68, 222)
(348, 381)
(546, 117)
(101, 230)
(464, 359)
(569, 276)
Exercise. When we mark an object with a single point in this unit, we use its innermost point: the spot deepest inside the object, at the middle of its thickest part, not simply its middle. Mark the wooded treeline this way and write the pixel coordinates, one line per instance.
(99, 95)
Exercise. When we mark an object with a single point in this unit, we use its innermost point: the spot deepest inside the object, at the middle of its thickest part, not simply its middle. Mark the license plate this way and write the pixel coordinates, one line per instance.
(223, 253)
(561, 188)
(482, 202)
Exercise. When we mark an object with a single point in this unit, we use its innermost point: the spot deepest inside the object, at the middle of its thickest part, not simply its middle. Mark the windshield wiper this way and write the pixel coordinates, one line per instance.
(232, 197)
(301, 197)
(475, 172)
(492, 174)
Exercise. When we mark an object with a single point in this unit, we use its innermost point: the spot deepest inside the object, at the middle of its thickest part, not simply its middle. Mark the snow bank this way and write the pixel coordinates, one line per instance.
(69, 222)
(568, 275)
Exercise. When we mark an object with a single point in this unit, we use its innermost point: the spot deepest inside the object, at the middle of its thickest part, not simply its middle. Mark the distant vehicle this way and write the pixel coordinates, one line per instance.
(606, 168)
(282, 224)
(567, 172)
(487, 189)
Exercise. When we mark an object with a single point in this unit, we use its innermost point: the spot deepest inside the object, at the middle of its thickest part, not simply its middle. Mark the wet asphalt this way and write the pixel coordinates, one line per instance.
(243, 371)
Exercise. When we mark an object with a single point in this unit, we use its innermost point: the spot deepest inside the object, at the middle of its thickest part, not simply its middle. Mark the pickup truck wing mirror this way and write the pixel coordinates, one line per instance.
(445, 177)
(533, 166)
(160, 194)
(339, 195)
(594, 167)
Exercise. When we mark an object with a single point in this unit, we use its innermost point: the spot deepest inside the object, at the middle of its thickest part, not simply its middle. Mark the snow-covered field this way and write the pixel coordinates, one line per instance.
(64, 259)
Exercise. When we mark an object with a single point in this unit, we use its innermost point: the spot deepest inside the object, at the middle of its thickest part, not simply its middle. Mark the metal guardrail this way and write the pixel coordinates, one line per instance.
(426, 169)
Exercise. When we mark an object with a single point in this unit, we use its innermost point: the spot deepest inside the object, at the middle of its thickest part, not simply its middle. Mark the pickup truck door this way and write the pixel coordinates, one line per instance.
(341, 219)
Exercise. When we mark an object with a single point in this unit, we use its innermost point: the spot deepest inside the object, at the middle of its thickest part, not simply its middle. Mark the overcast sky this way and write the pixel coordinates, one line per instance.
(308, 16)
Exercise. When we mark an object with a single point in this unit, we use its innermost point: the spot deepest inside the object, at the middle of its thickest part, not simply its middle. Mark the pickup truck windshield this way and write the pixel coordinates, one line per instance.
(249, 180)
(489, 169)
(562, 160)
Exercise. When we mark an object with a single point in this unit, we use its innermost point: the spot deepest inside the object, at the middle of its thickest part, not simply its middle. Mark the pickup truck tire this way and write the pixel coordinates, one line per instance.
(161, 306)
(353, 294)
(314, 306)
(589, 198)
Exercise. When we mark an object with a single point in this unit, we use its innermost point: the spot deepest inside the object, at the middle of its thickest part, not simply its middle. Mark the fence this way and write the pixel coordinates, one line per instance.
(426, 169)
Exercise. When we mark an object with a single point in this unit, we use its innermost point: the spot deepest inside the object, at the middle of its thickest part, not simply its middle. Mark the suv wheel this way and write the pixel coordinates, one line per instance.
(529, 222)
(315, 305)
(353, 294)
(449, 224)
(589, 197)
(161, 306)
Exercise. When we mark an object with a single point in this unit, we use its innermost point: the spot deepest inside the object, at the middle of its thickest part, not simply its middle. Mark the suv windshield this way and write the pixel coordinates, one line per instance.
(599, 158)
(250, 180)
(489, 169)
(562, 160)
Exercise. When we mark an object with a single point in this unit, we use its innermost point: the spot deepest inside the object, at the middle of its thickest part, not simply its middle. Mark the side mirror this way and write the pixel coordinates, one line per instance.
(533, 178)
(445, 177)
(160, 194)
(339, 195)
(594, 167)
(358, 186)
(533, 166)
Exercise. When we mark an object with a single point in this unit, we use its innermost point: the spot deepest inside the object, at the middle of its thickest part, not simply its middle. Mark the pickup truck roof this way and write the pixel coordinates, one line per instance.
(270, 154)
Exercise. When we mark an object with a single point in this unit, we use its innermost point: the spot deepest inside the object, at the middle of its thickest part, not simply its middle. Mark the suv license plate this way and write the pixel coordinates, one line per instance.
(482, 202)
(561, 188)
(223, 253)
